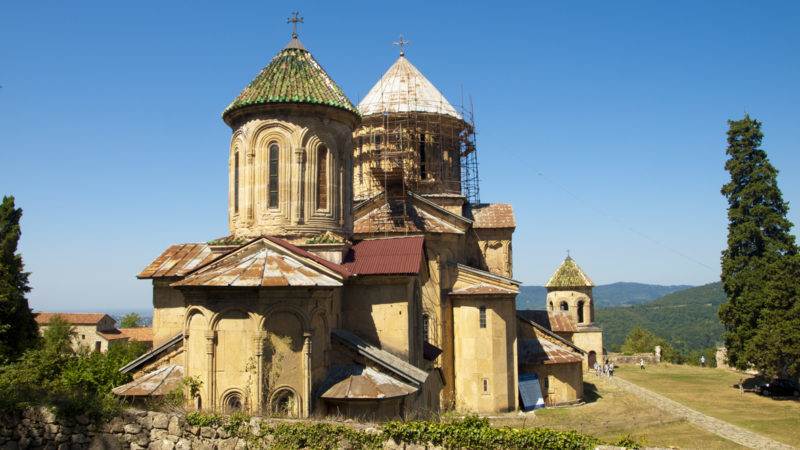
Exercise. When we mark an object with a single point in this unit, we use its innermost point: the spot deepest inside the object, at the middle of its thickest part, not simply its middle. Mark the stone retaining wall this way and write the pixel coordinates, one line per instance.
(633, 360)
(38, 428)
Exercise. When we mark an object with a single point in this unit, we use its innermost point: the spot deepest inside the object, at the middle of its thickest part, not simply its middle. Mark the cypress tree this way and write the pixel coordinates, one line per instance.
(18, 329)
(761, 266)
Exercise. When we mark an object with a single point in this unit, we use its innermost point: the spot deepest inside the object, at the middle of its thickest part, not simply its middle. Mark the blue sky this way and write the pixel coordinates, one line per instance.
(603, 123)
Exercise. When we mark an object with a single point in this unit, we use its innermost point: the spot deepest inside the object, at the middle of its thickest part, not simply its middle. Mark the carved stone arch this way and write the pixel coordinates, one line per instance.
(300, 313)
(291, 404)
(233, 400)
(190, 312)
(271, 129)
(216, 317)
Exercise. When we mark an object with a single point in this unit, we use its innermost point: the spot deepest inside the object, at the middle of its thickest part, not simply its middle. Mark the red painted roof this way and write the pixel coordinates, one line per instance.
(44, 318)
(390, 256)
(491, 215)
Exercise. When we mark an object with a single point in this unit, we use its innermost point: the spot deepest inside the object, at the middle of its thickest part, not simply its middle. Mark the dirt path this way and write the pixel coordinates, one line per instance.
(720, 428)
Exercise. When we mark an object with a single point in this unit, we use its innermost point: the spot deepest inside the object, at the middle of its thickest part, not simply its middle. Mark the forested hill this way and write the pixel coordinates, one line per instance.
(607, 295)
(687, 319)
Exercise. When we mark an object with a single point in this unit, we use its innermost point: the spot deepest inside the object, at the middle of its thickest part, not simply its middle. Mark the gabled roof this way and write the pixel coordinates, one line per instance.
(159, 382)
(387, 256)
(141, 334)
(472, 281)
(527, 317)
(178, 260)
(293, 76)
(569, 275)
(266, 261)
(541, 351)
(356, 382)
(491, 215)
(44, 318)
(377, 215)
(557, 321)
(383, 358)
(403, 88)
(483, 289)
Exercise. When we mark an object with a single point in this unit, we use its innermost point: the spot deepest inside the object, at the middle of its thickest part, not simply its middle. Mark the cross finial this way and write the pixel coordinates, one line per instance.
(568, 257)
(402, 44)
(294, 20)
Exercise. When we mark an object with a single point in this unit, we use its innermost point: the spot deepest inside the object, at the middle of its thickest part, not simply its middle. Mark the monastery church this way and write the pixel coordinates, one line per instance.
(362, 275)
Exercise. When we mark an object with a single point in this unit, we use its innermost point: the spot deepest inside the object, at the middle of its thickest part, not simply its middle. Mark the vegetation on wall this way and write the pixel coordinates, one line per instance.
(687, 320)
(761, 266)
(53, 374)
(18, 330)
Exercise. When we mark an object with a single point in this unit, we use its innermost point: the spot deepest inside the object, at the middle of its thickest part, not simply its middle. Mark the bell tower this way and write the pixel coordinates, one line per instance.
(569, 289)
(290, 160)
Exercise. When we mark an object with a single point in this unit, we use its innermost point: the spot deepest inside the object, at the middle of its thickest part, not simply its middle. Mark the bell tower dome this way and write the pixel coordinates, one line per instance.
(290, 161)
(569, 289)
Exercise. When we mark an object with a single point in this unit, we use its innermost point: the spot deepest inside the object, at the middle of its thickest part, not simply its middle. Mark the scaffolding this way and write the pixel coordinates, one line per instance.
(428, 153)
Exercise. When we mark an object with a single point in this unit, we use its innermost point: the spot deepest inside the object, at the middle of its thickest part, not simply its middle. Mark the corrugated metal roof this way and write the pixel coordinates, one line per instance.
(341, 270)
(363, 383)
(160, 382)
(482, 289)
(403, 88)
(491, 215)
(259, 263)
(382, 357)
(557, 321)
(153, 354)
(178, 260)
(44, 318)
(569, 274)
(389, 256)
(541, 351)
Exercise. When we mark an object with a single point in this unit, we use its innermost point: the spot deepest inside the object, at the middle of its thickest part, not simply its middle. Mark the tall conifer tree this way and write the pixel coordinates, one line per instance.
(18, 329)
(761, 266)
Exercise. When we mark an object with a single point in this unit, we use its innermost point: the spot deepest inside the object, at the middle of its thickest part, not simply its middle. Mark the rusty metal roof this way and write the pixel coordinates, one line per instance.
(557, 321)
(153, 354)
(483, 289)
(362, 383)
(44, 318)
(541, 351)
(341, 270)
(141, 334)
(160, 382)
(383, 358)
(265, 262)
(491, 215)
(178, 260)
(388, 256)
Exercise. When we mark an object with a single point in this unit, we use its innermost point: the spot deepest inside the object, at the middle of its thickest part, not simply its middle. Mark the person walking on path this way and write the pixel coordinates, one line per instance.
(641, 364)
(611, 370)
(702, 361)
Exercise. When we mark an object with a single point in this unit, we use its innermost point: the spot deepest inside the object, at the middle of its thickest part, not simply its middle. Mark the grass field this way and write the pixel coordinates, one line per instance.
(611, 413)
(714, 392)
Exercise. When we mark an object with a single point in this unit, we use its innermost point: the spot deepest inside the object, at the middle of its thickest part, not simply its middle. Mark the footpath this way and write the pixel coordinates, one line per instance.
(719, 427)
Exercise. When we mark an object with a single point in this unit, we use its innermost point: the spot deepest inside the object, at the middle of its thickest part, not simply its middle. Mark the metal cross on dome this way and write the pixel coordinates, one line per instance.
(294, 20)
(402, 44)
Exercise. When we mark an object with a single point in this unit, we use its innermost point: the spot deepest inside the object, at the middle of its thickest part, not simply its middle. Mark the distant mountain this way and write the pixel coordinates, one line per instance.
(687, 319)
(607, 295)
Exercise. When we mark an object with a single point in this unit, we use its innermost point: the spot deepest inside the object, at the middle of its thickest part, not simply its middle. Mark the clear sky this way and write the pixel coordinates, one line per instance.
(603, 123)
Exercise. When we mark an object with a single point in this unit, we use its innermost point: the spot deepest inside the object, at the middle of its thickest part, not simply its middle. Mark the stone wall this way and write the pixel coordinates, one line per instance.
(632, 360)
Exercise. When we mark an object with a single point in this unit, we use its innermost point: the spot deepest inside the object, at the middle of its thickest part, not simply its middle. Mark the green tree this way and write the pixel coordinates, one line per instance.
(761, 266)
(131, 320)
(18, 330)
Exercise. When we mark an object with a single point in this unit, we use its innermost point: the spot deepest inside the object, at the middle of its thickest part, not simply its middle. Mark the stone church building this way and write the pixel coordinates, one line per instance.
(361, 274)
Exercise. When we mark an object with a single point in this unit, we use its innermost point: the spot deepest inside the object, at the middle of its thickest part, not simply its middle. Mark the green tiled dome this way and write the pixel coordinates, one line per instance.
(569, 275)
(293, 76)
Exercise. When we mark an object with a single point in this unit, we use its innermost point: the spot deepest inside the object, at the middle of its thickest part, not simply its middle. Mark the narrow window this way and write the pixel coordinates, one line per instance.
(322, 177)
(97, 346)
(580, 312)
(483, 317)
(425, 329)
(273, 176)
(551, 306)
(564, 306)
(485, 385)
(360, 160)
(422, 173)
(236, 182)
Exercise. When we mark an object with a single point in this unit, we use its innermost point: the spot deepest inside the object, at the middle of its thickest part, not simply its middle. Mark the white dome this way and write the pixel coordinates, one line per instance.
(404, 89)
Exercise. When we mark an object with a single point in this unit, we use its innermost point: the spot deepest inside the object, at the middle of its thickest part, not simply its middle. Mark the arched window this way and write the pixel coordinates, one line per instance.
(232, 402)
(564, 306)
(483, 317)
(322, 177)
(580, 311)
(284, 403)
(236, 182)
(551, 306)
(198, 403)
(422, 158)
(272, 189)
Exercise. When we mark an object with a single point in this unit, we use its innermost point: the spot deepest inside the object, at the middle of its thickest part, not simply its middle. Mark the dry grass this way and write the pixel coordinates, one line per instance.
(714, 392)
(611, 413)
